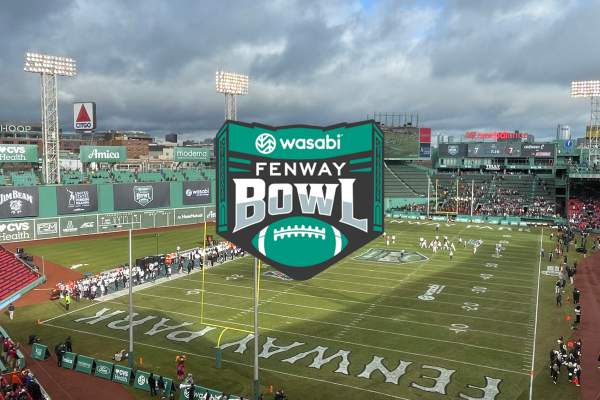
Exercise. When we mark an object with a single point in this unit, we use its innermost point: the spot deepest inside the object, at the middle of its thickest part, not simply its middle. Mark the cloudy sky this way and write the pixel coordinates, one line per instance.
(150, 65)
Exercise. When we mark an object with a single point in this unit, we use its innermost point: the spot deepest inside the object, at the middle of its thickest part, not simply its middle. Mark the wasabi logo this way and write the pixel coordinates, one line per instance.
(265, 143)
(298, 211)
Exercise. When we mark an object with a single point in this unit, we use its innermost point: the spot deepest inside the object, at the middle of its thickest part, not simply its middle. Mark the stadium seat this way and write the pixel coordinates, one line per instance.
(14, 274)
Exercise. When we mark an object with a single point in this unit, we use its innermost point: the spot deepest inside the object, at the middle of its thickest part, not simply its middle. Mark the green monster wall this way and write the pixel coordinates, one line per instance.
(108, 218)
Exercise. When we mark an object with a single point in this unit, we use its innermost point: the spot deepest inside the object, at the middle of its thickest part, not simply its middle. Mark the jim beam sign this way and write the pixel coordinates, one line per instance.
(300, 197)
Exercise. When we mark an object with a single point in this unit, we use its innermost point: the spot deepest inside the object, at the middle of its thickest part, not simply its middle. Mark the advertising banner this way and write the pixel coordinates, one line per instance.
(38, 351)
(84, 116)
(17, 231)
(77, 225)
(458, 150)
(196, 192)
(16, 202)
(538, 150)
(141, 380)
(84, 364)
(290, 195)
(139, 196)
(46, 228)
(75, 199)
(68, 360)
(192, 154)
(566, 147)
(494, 150)
(425, 150)
(14, 153)
(425, 135)
(192, 215)
(104, 369)
(121, 374)
(103, 154)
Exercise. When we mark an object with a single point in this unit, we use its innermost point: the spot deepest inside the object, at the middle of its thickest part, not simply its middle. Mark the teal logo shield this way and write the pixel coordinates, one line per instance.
(299, 197)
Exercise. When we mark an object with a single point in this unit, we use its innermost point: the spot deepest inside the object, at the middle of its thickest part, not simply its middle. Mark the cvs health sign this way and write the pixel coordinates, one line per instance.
(84, 116)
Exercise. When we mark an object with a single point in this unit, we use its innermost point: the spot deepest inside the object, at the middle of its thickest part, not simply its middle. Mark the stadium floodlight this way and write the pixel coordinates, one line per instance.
(49, 67)
(590, 89)
(231, 85)
(585, 88)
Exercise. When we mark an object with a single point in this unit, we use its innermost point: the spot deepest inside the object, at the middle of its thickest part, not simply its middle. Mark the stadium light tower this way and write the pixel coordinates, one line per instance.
(49, 67)
(231, 85)
(590, 89)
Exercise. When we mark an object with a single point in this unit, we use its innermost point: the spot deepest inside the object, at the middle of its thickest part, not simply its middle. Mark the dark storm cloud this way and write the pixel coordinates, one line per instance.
(463, 64)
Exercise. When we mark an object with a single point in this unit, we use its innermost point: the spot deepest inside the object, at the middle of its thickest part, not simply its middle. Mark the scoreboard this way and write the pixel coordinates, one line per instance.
(406, 143)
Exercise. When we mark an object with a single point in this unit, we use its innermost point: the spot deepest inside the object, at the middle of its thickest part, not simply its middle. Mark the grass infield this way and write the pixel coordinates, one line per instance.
(477, 322)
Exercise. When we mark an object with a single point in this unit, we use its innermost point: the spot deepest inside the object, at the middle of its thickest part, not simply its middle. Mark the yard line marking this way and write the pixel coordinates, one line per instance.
(350, 291)
(67, 313)
(334, 340)
(357, 302)
(440, 275)
(495, 299)
(336, 311)
(234, 362)
(537, 303)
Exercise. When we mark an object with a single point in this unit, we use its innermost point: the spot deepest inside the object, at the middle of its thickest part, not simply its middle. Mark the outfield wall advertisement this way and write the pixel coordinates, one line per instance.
(18, 202)
(136, 196)
(74, 199)
(75, 225)
(196, 192)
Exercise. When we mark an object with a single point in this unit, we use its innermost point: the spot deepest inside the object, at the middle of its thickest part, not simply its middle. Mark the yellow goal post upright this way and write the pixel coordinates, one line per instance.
(224, 328)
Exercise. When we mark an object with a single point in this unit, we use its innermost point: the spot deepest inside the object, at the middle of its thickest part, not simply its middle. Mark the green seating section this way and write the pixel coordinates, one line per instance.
(71, 177)
(23, 178)
(402, 180)
(123, 176)
(150, 177)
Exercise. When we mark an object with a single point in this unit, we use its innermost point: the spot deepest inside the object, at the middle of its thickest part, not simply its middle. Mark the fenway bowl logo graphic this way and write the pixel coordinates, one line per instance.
(452, 149)
(143, 195)
(290, 196)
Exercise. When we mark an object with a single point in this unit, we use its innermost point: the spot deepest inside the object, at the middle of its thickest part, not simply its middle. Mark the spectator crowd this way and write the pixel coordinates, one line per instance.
(16, 384)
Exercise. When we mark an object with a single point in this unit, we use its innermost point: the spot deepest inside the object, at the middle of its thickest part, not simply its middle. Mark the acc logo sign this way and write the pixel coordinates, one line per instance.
(295, 206)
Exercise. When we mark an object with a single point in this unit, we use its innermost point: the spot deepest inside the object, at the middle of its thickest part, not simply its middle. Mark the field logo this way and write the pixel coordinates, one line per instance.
(143, 195)
(290, 195)
(431, 291)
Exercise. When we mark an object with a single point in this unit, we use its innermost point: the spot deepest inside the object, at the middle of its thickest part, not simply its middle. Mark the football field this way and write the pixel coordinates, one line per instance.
(378, 325)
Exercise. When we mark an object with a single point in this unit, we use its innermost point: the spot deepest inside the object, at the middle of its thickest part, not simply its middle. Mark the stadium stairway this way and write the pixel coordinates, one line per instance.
(14, 274)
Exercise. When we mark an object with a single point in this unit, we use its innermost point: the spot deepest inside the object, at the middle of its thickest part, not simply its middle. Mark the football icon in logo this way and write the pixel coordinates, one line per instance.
(286, 241)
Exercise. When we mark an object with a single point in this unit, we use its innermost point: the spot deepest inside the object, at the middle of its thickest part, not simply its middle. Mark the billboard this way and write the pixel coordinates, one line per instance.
(501, 135)
(10, 153)
(401, 142)
(494, 150)
(105, 154)
(84, 116)
(192, 154)
(135, 196)
(453, 150)
(17, 202)
(539, 150)
(425, 150)
(566, 147)
(196, 192)
(75, 199)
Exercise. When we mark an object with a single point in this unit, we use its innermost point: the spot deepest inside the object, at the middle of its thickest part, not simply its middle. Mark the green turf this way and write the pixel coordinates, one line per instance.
(103, 253)
(366, 308)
